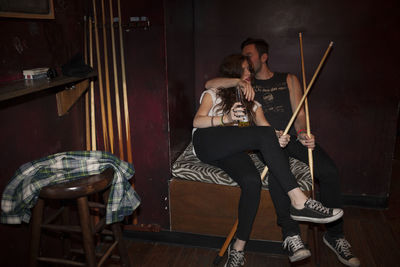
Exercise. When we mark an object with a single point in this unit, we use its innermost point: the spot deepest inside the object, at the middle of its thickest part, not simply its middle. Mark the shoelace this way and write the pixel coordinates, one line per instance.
(236, 258)
(316, 205)
(343, 246)
(294, 243)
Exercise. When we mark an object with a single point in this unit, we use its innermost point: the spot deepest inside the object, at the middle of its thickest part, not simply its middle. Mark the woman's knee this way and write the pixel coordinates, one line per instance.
(265, 131)
(251, 184)
(265, 136)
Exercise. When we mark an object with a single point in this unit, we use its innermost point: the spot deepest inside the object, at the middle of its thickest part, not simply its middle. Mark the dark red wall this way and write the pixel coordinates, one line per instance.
(354, 103)
(30, 126)
(180, 68)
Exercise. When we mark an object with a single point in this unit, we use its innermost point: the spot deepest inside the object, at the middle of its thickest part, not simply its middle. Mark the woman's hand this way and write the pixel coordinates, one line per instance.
(283, 139)
(237, 112)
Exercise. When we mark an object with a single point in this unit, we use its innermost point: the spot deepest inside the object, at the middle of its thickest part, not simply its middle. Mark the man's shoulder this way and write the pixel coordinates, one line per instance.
(291, 79)
(290, 75)
(277, 77)
(281, 74)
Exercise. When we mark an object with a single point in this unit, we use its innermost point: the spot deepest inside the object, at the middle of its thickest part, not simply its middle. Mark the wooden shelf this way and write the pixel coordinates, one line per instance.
(24, 87)
(73, 89)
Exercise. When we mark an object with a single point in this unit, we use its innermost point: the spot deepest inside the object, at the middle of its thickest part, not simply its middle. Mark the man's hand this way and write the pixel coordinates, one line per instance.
(283, 139)
(309, 142)
(247, 89)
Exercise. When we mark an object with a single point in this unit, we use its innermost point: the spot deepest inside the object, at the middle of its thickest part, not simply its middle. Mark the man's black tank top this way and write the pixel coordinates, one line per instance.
(274, 96)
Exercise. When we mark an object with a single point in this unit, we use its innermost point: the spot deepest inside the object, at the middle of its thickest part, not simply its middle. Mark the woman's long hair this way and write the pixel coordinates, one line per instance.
(231, 67)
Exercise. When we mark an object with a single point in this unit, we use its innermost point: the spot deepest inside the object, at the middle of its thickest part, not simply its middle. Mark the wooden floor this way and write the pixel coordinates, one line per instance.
(374, 235)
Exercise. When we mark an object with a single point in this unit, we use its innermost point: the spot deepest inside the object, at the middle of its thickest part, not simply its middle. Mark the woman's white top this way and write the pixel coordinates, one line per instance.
(216, 101)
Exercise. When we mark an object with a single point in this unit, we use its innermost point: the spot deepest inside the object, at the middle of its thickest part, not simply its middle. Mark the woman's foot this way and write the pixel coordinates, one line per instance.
(315, 212)
(235, 258)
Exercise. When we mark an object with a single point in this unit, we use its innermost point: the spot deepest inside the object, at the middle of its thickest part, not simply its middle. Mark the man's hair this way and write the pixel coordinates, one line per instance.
(261, 45)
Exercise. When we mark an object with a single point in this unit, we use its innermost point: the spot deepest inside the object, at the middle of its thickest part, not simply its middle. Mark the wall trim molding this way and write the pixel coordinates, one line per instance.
(205, 241)
(365, 201)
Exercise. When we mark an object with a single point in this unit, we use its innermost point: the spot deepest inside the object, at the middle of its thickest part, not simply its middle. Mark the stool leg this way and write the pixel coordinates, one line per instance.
(123, 253)
(87, 231)
(116, 229)
(66, 237)
(35, 232)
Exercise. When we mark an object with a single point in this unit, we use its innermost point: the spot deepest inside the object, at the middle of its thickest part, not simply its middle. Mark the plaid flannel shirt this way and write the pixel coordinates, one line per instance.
(23, 190)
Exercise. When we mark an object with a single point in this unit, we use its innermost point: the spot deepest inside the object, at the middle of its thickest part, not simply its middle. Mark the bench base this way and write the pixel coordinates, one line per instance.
(211, 209)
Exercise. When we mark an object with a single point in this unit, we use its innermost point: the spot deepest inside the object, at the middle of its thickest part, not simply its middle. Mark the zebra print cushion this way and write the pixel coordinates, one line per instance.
(189, 167)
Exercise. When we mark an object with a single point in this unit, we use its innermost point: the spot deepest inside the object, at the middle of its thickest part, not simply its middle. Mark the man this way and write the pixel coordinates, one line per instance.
(280, 94)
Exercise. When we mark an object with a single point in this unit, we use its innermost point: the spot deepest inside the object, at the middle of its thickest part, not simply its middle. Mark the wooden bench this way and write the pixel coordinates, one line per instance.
(204, 199)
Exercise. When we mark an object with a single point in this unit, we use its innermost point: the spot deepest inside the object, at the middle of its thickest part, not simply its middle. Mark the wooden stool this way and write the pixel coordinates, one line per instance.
(78, 190)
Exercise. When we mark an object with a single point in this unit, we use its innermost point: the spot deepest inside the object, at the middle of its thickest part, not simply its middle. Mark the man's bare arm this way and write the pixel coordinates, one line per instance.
(296, 94)
(222, 82)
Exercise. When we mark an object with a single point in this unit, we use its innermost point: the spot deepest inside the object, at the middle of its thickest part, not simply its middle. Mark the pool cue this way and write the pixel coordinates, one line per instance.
(125, 98)
(302, 99)
(107, 81)
(99, 72)
(230, 236)
(310, 156)
(224, 247)
(124, 89)
(85, 48)
(92, 94)
(116, 88)
(92, 104)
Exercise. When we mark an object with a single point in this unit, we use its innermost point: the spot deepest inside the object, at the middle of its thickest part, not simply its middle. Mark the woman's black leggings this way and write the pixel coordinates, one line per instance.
(225, 147)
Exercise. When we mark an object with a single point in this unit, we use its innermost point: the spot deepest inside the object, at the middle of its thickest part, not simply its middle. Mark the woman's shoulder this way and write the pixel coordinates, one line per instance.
(212, 92)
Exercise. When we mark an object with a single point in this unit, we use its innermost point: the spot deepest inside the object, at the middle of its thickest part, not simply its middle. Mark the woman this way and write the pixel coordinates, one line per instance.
(225, 147)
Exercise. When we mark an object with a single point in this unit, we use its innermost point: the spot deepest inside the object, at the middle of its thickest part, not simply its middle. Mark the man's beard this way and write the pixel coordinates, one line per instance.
(257, 69)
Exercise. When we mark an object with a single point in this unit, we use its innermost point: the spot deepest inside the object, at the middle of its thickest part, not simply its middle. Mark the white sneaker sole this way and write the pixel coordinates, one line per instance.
(300, 255)
(318, 220)
(345, 262)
